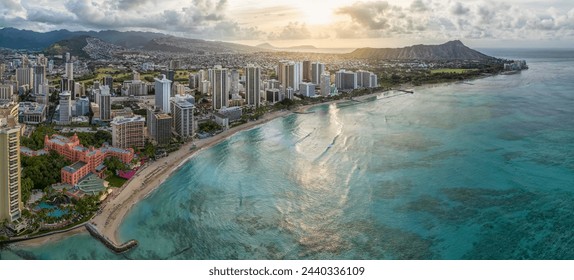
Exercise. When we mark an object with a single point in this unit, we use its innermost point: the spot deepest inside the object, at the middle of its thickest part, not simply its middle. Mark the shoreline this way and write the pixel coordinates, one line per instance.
(148, 178)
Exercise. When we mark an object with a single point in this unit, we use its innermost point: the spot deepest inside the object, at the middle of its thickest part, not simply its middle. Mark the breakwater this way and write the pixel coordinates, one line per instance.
(108, 243)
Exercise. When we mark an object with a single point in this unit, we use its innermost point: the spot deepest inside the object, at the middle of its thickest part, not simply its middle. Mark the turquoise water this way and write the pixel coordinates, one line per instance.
(478, 170)
(55, 211)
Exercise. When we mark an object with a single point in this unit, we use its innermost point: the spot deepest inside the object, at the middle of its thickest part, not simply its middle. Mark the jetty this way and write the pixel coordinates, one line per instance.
(118, 249)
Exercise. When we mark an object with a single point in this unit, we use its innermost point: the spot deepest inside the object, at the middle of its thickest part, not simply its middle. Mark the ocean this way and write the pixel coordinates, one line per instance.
(477, 170)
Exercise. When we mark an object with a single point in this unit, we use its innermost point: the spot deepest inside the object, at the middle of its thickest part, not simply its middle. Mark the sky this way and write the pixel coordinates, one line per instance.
(322, 23)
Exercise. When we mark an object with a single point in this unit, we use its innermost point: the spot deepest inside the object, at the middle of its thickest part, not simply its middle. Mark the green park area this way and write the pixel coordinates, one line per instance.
(452, 71)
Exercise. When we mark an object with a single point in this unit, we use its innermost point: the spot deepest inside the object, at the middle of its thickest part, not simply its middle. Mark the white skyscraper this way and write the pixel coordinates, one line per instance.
(345, 80)
(307, 89)
(6, 92)
(182, 113)
(325, 83)
(234, 82)
(253, 85)
(65, 107)
(24, 76)
(162, 94)
(219, 88)
(10, 177)
(70, 70)
(290, 74)
(317, 69)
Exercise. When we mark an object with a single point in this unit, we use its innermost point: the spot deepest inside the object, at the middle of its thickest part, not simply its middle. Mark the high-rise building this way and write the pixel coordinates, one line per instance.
(162, 94)
(68, 85)
(234, 83)
(6, 92)
(39, 78)
(193, 81)
(169, 74)
(105, 103)
(42, 60)
(307, 89)
(82, 106)
(24, 76)
(108, 81)
(293, 75)
(10, 178)
(65, 108)
(345, 80)
(70, 70)
(182, 114)
(366, 79)
(307, 71)
(159, 126)
(281, 73)
(253, 85)
(273, 95)
(220, 91)
(317, 69)
(325, 83)
(128, 132)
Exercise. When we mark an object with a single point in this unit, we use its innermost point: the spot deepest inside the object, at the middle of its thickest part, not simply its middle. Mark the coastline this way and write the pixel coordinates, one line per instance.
(114, 209)
(149, 178)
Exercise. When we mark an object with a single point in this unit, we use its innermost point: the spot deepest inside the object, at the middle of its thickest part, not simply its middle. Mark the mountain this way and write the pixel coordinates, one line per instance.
(75, 46)
(453, 50)
(13, 38)
(58, 40)
(177, 44)
(268, 46)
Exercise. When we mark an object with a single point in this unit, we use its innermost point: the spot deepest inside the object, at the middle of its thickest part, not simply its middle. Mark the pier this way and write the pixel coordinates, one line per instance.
(118, 249)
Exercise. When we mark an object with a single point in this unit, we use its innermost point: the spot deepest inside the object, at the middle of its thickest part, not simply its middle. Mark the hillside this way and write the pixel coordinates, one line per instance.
(75, 46)
(177, 44)
(13, 38)
(453, 50)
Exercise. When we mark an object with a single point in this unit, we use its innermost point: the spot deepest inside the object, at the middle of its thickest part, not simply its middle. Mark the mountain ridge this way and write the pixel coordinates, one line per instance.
(451, 50)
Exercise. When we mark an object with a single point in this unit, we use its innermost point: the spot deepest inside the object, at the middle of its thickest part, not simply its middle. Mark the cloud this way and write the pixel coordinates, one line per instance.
(459, 9)
(200, 18)
(418, 6)
(448, 19)
(373, 15)
(292, 31)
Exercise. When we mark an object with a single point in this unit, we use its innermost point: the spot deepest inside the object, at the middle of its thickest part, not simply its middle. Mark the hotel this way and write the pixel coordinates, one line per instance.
(10, 190)
(128, 132)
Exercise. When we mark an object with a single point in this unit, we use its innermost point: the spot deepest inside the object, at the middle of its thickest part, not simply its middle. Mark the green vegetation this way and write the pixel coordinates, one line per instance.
(93, 139)
(113, 164)
(115, 181)
(42, 171)
(451, 70)
(36, 140)
(149, 149)
(284, 104)
(87, 205)
(209, 127)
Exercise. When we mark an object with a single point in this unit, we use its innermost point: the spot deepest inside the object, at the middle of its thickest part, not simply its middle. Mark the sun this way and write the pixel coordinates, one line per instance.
(318, 15)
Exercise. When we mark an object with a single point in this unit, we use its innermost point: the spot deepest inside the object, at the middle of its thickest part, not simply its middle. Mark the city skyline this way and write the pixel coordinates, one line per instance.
(324, 24)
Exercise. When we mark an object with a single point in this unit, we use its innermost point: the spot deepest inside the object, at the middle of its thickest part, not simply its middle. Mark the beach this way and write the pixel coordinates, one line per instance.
(150, 176)
(147, 179)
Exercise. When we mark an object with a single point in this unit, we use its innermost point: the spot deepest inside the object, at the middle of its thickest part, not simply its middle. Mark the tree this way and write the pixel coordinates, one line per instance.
(27, 186)
(114, 164)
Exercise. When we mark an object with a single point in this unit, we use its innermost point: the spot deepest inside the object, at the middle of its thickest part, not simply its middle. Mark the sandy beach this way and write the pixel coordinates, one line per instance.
(147, 179)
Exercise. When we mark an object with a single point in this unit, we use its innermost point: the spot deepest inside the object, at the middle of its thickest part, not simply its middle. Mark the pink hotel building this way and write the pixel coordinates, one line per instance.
(85, 160)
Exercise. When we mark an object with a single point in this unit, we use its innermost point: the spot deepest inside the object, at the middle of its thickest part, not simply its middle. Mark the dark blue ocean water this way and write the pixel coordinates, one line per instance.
(475, 170)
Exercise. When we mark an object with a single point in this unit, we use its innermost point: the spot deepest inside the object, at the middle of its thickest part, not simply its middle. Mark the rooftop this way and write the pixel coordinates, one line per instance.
(74, 167)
